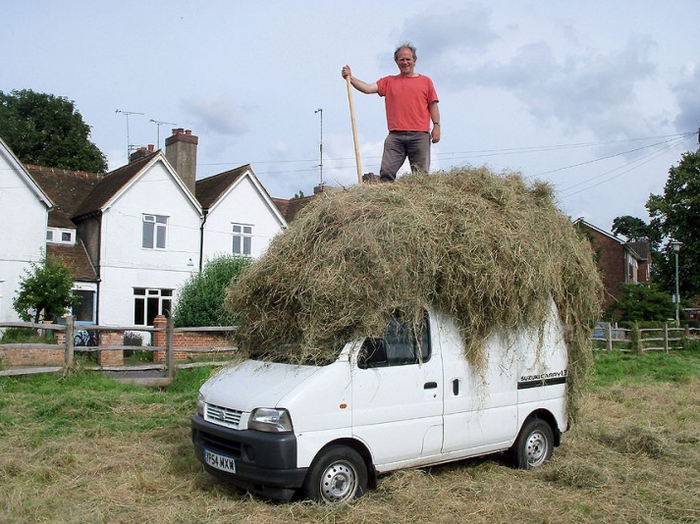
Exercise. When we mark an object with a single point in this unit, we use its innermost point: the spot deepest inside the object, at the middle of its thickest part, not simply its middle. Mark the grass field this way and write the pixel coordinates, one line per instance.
(85, 449)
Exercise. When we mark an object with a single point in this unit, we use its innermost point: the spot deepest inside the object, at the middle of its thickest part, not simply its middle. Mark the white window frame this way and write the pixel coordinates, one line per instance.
(242, 239)
(57, 235)
(163, 298)
(157, 237)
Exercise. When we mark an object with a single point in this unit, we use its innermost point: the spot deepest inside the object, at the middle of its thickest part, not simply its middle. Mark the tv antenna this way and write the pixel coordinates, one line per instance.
(160, 123)
(321, 144)
(128, 142)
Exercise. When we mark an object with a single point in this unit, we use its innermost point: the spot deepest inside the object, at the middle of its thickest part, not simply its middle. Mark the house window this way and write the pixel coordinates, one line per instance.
(56, 235)
(242, 239)
(84, 310)
(155, 228)
(631, 269)
(148, 303)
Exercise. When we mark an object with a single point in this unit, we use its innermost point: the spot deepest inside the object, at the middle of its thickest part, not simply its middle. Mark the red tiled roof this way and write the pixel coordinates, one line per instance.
(209, 190)
(110, 184)
(65, 188)
(75, 258)
(291, 208)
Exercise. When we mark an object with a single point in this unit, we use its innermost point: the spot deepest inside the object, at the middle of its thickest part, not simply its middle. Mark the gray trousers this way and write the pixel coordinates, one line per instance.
(401, 144)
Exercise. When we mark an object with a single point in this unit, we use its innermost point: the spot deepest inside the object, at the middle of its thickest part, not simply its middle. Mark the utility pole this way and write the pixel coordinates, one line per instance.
(321, 145)
(160, 123)
(128, 142)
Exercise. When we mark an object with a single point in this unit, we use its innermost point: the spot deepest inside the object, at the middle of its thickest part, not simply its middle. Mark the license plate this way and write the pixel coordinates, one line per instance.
(222, 462)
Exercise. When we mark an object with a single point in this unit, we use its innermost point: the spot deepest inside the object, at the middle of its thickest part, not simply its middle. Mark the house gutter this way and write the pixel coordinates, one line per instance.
(205, 213)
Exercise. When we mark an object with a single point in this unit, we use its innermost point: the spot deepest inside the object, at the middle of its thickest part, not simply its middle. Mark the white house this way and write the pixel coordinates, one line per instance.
(141, 226)
(136, 234)
(240, 218)
(24, 209)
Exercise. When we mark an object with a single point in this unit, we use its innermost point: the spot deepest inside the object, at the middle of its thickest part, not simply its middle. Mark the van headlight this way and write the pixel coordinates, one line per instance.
(270, 420)
(200, 404)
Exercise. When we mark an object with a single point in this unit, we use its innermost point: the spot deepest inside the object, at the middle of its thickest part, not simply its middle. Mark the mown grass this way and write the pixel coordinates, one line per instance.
(86, 449)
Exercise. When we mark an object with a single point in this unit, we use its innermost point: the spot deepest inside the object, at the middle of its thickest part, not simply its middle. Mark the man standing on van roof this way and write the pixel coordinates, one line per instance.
(411, 104)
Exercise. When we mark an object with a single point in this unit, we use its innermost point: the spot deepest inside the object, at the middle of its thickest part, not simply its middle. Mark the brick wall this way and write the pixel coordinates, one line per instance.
(187, 340)
(32, 357)
(115, 357)
(611, 260)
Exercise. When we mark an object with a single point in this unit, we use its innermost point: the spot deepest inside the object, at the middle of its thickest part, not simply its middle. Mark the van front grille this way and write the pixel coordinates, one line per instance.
(231, 418)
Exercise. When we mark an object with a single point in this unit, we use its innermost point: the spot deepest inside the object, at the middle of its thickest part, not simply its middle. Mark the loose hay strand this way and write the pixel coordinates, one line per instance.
(487, 248)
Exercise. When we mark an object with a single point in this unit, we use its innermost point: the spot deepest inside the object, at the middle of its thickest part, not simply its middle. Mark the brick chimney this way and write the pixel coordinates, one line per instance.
(141, 152)
(181, 152)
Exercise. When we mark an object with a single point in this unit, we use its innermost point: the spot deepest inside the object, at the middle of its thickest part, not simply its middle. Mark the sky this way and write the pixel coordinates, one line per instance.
(598, 98)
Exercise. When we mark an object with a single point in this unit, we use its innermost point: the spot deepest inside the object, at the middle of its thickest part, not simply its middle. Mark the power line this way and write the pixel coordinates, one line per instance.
(630, 167)
(475, 152)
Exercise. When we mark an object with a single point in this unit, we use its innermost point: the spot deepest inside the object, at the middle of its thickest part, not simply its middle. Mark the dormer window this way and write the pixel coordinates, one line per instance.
(55, 235)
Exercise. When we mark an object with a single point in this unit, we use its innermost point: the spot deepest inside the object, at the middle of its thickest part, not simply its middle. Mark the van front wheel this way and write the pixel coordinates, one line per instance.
(534, 445)
(338, 474)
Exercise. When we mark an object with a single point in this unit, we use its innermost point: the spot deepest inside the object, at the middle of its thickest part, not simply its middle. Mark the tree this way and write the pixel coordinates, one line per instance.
(47, 130)
(635, 229)
(201, 299)
(643, 301)
(676, 214)
(46, 291)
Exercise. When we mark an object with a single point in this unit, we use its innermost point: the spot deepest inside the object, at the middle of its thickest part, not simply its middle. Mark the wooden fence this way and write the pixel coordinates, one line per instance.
(170, 344)
(638, 340)
(107, 344)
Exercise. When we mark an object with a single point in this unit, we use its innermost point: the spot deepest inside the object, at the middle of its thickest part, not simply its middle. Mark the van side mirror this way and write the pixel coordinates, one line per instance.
(373, 353)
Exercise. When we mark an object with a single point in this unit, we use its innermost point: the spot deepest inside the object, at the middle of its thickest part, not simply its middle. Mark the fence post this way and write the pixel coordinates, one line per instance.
(169, 349)
(636, 339)
(608, 335)
(666, 337)
(70, 341)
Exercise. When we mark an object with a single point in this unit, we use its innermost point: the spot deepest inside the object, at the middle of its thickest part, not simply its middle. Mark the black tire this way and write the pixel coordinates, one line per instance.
(337, 474)
(534, 445)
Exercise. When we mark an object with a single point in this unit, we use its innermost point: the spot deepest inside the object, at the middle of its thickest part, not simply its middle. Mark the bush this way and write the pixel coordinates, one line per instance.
(642, 301)
(201, 300)
(25, 335)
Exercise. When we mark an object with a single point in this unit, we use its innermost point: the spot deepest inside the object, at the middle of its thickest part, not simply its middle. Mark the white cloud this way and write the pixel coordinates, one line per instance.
(444, 31)
(219, 114)
(594, 92)
(686, 91)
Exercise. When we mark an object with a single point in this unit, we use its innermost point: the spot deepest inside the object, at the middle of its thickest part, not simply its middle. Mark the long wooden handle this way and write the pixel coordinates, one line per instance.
(354, 131)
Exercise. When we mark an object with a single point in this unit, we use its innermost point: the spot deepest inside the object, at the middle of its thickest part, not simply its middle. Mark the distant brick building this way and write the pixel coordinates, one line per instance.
(620, 262)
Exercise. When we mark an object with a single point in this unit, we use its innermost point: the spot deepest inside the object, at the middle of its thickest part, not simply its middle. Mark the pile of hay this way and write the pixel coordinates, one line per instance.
(488, 248)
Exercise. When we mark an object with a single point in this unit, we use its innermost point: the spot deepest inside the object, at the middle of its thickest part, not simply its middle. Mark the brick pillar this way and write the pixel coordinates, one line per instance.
(159, 337)
(111, 357)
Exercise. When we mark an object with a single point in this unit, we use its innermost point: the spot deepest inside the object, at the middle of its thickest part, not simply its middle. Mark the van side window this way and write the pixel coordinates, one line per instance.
(400, 345)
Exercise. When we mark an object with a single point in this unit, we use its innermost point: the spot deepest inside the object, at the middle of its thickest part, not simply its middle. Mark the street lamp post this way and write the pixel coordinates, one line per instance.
(676, 245)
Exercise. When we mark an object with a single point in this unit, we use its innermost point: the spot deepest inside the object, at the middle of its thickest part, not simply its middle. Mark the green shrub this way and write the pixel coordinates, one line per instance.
(201, 299)
(24, 336)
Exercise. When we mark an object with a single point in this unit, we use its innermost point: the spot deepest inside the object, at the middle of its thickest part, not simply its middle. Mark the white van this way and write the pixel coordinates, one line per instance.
(407, 399)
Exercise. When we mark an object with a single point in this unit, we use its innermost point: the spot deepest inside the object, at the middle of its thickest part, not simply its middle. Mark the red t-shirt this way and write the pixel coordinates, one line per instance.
(407, 100)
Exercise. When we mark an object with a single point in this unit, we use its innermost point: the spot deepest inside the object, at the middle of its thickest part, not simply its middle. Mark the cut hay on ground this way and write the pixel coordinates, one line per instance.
(490, 249)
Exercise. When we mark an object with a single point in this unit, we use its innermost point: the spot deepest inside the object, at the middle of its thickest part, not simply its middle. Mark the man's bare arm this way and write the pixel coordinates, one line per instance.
(360, 85)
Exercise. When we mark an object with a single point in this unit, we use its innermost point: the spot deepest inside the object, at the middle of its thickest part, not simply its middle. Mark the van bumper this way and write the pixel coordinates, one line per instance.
(265, 462)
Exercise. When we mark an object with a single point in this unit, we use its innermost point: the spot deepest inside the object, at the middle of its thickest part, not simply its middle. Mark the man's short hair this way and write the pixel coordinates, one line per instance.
(405, 45)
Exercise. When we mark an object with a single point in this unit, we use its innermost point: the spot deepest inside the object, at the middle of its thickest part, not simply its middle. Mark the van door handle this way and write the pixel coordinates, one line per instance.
(430, 385)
